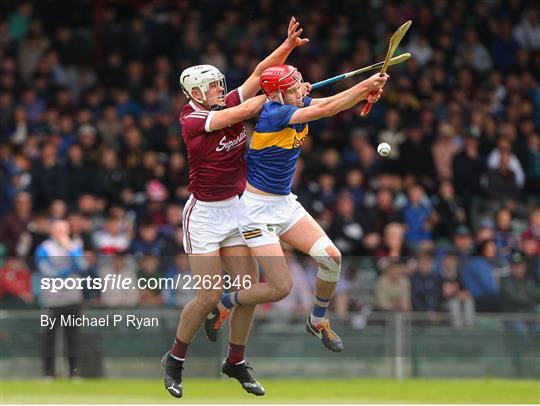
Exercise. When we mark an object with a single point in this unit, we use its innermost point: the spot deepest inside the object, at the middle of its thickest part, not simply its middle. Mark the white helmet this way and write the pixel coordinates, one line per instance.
(199, 77)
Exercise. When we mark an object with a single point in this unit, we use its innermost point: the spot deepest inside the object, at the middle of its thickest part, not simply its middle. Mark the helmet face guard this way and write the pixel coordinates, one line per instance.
(200, 77)
(279, 79)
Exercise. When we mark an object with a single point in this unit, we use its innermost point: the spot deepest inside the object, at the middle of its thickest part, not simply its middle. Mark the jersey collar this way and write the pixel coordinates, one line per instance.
(195, 107)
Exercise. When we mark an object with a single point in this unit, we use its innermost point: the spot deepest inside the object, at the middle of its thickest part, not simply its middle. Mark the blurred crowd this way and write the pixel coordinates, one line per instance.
(89, 132)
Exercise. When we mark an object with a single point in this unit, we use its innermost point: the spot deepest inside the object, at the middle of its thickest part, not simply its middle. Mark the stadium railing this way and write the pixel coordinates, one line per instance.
(396, 345)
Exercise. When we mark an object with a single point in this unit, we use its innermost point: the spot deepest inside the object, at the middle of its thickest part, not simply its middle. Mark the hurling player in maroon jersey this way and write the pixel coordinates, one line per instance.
(215, 137)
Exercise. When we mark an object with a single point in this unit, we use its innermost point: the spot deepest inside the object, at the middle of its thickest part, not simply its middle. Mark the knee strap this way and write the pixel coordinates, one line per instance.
(331, 270)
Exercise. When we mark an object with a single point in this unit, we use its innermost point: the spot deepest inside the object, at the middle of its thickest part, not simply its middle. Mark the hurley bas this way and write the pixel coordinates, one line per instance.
(128, 320)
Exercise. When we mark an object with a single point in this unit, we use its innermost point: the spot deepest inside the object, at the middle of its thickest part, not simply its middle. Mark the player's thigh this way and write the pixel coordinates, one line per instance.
(303, 234)
(238, 261)
(272, 260)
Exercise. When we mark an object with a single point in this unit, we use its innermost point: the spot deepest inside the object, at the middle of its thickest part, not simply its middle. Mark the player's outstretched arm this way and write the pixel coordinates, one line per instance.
(233, 115)
(251, 86)
(330, 106)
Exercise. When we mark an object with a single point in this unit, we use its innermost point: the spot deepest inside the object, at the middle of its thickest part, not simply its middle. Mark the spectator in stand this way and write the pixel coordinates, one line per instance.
(472, 53)
(19, 21)
(172, 223)
(384, 212)
(110, 126)
(14, 224)
(358, 140)
(157, 195)
(15, 283)
(463, 243)
(176, 177)
(122, 268)
(533, 229)
(345, 229)
(31, 48)
(370, 162)
(36, 232)
(325, 196)
(519, 295)
(80, 177)
(111, 178)
(112, 238)
(89, 206)
(512, 164)
(426, 286)
(393, 135)
(66, 132)
(354, 185)
(415, 156)
(149, 240)
(48, 178)
(527, 33)
(502, 185)
(58, 209)
(468, 167)
(149, 272)
(393, 245)
(528, 248)
(132, 148)
(178, 270)
(360, 276)
(532, 166)
(450, 214)
(505, 237)
(419, 46)
(61, 257)
(444, 150)
(17, 180)
(80, 230)
(485, 230)
(456, 299)
(393, 290)
(419, 219)
(478, 277)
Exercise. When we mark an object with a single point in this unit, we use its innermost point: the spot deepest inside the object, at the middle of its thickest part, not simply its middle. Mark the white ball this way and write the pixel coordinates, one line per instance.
(384, 149)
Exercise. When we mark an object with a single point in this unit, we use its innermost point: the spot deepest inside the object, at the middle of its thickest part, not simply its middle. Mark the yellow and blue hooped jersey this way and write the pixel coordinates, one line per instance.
(275, 148)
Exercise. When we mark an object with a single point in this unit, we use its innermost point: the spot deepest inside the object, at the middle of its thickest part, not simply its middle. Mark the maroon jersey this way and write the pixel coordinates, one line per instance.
(217, 167)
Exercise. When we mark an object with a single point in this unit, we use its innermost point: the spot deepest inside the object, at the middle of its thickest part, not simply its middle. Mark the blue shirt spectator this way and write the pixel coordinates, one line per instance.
(417, 216)
(477, 274)
(149, 241)
(60, 257)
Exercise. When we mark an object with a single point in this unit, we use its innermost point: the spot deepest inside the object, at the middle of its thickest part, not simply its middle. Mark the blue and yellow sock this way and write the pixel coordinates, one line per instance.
(230, 299)
(319, 310)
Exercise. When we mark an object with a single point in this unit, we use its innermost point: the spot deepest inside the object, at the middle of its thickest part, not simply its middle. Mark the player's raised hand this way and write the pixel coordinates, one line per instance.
(307, 87)
(293, 34)
(376, 82)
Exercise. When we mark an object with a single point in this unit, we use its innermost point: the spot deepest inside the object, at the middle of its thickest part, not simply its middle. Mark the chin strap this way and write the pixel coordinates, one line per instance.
(217, 107)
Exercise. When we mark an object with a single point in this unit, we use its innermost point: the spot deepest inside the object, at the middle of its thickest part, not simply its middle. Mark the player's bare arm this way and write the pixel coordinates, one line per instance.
(329, 106)
(232, 115)
(251, 85)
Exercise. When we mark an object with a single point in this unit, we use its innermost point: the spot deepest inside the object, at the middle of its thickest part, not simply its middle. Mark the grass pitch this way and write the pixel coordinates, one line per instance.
(278, 391)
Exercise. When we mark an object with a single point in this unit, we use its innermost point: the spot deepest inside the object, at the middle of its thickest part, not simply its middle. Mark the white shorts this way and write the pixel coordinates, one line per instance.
(262, 219)
(208, 226)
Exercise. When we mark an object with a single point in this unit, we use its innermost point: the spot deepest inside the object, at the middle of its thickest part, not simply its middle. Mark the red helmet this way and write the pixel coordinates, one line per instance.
(279, 78)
